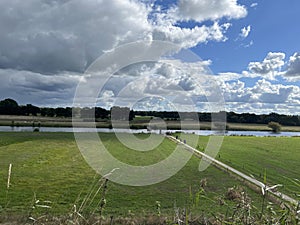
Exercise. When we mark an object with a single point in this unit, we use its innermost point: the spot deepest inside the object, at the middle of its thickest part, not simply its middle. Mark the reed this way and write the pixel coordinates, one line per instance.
(9, 176)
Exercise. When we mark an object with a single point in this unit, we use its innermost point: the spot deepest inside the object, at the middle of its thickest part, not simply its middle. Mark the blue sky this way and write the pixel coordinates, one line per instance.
(251, 48)
(274, 28)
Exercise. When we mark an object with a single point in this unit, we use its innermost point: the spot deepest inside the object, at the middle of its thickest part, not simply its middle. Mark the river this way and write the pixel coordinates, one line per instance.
(107, 130)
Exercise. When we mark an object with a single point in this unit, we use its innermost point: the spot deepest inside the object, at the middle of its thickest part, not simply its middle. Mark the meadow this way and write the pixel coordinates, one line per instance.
(49, 167)
(278, 157)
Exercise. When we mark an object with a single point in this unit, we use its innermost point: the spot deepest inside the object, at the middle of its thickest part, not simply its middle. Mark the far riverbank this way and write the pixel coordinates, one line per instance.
(38, 121)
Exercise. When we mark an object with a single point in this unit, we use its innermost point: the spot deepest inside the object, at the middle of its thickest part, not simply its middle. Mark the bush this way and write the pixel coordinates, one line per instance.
(276, 127)
(36, 129)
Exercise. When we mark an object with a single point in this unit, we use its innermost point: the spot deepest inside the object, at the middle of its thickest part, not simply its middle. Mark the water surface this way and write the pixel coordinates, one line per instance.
(136, 131)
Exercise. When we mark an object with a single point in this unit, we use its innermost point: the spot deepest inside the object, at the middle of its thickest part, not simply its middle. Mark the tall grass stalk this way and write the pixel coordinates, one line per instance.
(9, 175)
(264, 193)
(94, 197)
(8, 182)
(84, 207)
(103, 201)
(87, 198)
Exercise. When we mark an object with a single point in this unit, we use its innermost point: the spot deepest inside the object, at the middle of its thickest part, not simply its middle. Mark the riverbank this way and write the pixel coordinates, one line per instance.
(144, 131)
(137, 123)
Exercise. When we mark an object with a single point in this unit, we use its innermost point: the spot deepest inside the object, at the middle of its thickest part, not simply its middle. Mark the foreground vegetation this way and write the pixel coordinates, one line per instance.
(50, 180)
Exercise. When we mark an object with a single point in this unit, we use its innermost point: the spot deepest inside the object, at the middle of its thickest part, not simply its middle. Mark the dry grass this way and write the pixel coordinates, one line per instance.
(259, 127)
(9, 175)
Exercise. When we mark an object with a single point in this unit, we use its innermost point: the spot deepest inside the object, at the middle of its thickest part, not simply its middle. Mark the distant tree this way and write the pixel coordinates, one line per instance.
(32, 109)
(87, 113)
(121, 113)
(29, 110)
(48, 112)
(63, 112)
(9, 107)
(101, 113)
(276, 127)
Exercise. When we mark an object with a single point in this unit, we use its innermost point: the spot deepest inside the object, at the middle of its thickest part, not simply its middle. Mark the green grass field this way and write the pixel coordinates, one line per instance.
(49, 167)
(279, 157)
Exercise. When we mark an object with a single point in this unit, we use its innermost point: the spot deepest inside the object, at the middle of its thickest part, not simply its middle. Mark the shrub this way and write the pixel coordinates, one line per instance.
(276, 127)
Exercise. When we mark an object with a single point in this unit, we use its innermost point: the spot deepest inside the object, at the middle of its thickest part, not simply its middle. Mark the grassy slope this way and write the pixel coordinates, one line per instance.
(279, 156)
(50, 166)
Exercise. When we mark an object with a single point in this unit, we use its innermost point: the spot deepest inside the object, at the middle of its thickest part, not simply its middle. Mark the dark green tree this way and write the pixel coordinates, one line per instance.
(29, 110)
(9, 107)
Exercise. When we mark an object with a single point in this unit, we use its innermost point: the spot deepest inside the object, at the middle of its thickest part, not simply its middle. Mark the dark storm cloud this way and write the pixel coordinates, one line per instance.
(48, 36)
(29, 87)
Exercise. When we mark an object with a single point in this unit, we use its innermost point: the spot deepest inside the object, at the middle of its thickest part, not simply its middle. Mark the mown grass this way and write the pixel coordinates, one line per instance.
(279, 156)
(49, 166)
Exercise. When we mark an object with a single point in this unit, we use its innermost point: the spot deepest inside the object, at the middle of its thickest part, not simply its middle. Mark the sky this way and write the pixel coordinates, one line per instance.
(249, 49)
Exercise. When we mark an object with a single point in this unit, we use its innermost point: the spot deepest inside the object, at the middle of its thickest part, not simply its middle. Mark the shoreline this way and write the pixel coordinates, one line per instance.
(38, 121)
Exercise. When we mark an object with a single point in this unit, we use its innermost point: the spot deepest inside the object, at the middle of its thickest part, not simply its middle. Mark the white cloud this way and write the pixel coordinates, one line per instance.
(249, 44)
(201, 10)
(266, 92)
(262, 97)
(235, 92)
(166, 79)
(266, 95)
(172, 80)
(190, 37)
(245, 31)
(293, 67)
(272, 66)
(227, 76)
(52, 36)
(46, 40)
(268, 68)
(254, 5)
(46, 44)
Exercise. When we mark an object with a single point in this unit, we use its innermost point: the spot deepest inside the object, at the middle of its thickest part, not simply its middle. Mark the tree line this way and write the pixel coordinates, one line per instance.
(231, 117)
(11, 107)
